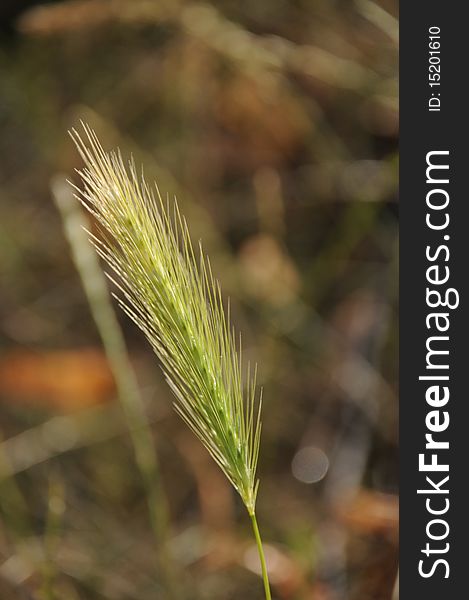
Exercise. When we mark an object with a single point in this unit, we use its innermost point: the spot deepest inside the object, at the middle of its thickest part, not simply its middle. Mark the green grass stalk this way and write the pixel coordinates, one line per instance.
(168, 290)
(260, 550)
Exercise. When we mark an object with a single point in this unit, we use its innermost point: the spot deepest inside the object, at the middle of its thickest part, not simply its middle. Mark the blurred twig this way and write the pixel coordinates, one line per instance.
(379, 17)
(61, 434)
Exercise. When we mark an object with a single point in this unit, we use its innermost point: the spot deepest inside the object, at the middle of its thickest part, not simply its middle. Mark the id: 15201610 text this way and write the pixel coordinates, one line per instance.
(434, 69)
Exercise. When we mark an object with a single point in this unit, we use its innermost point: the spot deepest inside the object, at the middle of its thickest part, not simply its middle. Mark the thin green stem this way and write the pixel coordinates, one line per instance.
(260, 549)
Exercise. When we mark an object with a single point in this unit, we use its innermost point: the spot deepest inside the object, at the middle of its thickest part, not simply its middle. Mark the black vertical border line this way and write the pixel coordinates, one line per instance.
(423, 131)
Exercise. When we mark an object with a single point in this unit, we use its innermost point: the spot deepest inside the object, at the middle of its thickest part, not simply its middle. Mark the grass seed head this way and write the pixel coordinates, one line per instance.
(168, 290)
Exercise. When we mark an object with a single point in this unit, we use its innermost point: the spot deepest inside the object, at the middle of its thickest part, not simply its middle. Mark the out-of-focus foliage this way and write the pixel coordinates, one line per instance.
(275, 125)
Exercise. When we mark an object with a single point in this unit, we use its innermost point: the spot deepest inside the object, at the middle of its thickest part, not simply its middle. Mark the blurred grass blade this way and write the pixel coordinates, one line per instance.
(75, 225)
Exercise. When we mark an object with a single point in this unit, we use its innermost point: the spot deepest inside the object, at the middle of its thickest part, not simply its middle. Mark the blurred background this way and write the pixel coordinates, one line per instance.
(275, 124)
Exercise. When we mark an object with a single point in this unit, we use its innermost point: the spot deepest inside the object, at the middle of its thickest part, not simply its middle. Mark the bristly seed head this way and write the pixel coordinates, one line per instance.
(169, 291)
